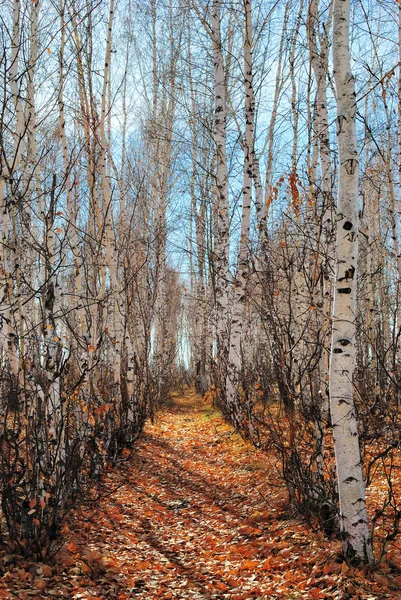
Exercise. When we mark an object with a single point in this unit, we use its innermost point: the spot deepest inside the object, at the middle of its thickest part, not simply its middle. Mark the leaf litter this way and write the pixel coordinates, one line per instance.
(193, 513)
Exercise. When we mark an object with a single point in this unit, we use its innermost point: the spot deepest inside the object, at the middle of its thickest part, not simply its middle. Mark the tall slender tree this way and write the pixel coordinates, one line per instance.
(351, 487)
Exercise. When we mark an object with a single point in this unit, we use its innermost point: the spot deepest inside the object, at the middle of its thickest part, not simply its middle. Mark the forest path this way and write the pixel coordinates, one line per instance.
(199, 514)
(189, 521)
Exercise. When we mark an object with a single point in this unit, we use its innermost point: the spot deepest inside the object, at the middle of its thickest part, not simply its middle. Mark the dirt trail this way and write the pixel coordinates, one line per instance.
(200, 514)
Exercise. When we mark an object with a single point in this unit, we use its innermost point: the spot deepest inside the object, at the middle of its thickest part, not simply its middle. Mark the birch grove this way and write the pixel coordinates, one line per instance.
(208, 194)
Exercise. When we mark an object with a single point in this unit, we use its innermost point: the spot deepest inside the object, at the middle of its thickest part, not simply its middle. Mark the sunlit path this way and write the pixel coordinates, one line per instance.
(200, 514)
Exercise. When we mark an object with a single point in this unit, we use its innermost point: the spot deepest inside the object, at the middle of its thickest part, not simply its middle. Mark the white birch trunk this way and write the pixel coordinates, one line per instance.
(111, 260)
(222, 209)
(10, 314)
(351, 486)
(75, 300)
(234, 358)
(399, 92)
(297, 299)
(198, 354)
(273, 118)
(6, 286)
(323, 253)
(19, 131)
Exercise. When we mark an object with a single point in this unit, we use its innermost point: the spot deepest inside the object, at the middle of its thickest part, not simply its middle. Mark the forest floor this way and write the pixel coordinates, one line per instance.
(194, 512)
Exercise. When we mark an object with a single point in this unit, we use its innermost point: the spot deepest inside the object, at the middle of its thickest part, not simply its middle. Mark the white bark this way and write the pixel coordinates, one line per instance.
(19, 144)
(298, 301)
(6, 286)
(351, 487)
(273, 118)
(388, 161)
(322, 262)
(198, 288)
(399, 136)
(234, 357)
(222, 209)
(9, 308)
(75, 300)
(111, 260)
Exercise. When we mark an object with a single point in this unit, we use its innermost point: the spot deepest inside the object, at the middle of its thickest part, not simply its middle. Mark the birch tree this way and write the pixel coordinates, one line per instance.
(234, 356)
(351, 487)
(221, 248)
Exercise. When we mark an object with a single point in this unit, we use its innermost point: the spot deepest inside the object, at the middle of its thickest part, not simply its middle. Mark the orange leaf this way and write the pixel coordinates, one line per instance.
(328, 569)
(72, 547)
(221, 586)
(249, 564)
(86, 570)
(315, 593)
(266, 565)
(344, 568)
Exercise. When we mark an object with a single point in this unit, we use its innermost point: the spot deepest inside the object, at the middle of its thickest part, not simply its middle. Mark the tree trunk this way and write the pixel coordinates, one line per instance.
(233, 402)
(222, 208)
(351, 486)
